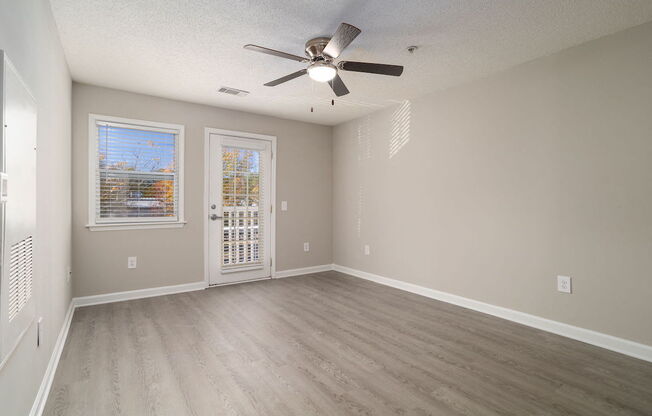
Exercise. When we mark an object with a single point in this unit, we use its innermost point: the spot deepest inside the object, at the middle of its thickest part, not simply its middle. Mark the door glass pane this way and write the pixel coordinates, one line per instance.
(241, 194)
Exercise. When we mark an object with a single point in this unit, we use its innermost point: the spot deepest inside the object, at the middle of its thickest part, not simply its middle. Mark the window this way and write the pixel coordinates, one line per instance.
(136, 174)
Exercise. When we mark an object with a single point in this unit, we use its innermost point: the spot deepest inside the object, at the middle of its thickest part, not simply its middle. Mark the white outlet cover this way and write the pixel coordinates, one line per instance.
(132, 262)
(306, 246)
(284, 205)
(367, 250)
(564, 284)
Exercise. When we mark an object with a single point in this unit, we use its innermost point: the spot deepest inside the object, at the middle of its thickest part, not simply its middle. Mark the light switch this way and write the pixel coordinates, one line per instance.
(132, 262)
(284, 205)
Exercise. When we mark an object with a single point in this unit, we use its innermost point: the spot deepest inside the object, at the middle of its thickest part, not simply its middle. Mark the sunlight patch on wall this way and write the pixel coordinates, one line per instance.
(400, 128)
(364, 139)
(360, 210)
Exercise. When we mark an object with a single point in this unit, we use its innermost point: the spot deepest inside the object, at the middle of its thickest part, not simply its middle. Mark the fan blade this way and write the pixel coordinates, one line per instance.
(341, 39)
(274, 52)
(338, 86)
(286, 78)
(382, 69)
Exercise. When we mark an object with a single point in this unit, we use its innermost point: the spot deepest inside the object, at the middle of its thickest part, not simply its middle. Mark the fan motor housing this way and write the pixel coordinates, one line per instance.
(315, 47)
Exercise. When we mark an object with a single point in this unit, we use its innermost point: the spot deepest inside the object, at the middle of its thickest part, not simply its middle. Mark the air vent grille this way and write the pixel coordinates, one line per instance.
(20, 276)
(233, 91)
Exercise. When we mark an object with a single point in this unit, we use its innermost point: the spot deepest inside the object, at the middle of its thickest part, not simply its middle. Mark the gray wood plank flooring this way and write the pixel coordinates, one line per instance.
(330, 344)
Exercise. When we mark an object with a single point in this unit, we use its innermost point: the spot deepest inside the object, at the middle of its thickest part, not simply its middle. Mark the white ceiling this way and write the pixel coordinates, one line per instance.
(187, 49)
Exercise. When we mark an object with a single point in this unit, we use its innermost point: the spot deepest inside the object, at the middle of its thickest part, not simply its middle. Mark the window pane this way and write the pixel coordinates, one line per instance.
(241, 193)
(128, 149)
(137, 175)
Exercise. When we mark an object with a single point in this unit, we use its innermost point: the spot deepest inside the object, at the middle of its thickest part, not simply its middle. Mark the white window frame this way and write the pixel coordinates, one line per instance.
(93, 163)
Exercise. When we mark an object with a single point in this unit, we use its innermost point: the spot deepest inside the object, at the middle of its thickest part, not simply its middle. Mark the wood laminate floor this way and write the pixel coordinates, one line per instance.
(330, 344)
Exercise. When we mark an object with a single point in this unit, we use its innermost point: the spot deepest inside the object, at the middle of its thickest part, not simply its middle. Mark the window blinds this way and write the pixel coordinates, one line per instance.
(136, 174)
(243, 221)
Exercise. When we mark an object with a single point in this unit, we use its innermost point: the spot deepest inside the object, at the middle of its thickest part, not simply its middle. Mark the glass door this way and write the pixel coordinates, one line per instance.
(239, 209)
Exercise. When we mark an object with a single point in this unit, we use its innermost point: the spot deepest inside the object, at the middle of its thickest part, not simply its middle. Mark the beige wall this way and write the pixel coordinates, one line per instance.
(492, 189)
(176, 256)
(29, 37)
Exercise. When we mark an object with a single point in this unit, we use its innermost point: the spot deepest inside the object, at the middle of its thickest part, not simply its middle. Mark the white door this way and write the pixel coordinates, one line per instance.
(18, 122)
(239, 243)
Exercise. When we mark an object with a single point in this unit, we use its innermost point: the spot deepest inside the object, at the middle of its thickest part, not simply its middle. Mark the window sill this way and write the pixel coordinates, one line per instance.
(135, 226)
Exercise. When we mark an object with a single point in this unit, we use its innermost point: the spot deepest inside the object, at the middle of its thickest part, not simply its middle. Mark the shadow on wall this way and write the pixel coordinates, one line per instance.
(400, 128)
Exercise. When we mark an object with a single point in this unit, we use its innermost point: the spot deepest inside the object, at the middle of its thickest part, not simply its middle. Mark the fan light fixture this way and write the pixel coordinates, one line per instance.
(322, 71)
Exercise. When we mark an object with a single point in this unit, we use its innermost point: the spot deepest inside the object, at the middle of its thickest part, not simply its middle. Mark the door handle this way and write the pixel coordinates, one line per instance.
(215, 217)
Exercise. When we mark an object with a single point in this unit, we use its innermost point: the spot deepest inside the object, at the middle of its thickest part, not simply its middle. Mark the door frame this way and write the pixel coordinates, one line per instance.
(272, 200)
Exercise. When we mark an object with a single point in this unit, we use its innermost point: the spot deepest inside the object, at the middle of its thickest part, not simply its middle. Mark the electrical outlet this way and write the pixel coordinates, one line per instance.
(68, 274)
(306, 247)
(132, 262)
(367, 251)
(564, 284)
(284, 205)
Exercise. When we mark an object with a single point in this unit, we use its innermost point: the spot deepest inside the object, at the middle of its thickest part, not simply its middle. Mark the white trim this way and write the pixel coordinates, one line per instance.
(304, 270)
(237, 269)
(137, 294)
(239, 134)
(151, 125)
(207, 175)
(135, 226)
(4, 57)
(133, 223)
(272, 197)
(623, 346)
(19, 339)
(48, 377)
(239, 282)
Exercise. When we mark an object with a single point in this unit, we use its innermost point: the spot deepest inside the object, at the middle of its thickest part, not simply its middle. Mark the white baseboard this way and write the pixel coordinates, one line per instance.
(303, 270)
(48, 377)
(623, 346)
(137, 294)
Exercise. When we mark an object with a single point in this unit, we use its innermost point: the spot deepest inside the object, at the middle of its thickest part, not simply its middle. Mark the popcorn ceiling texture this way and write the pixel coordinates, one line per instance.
(188, 49)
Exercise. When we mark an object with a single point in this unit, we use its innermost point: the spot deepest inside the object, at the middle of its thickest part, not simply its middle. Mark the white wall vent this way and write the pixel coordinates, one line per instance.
(20, 276)
(233, 91)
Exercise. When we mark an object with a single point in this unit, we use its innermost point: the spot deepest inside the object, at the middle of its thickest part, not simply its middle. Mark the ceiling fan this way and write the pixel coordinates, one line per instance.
(321, 54)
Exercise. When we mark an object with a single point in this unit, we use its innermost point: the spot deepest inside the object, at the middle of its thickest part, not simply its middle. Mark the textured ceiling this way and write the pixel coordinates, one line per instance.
(187, 49)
